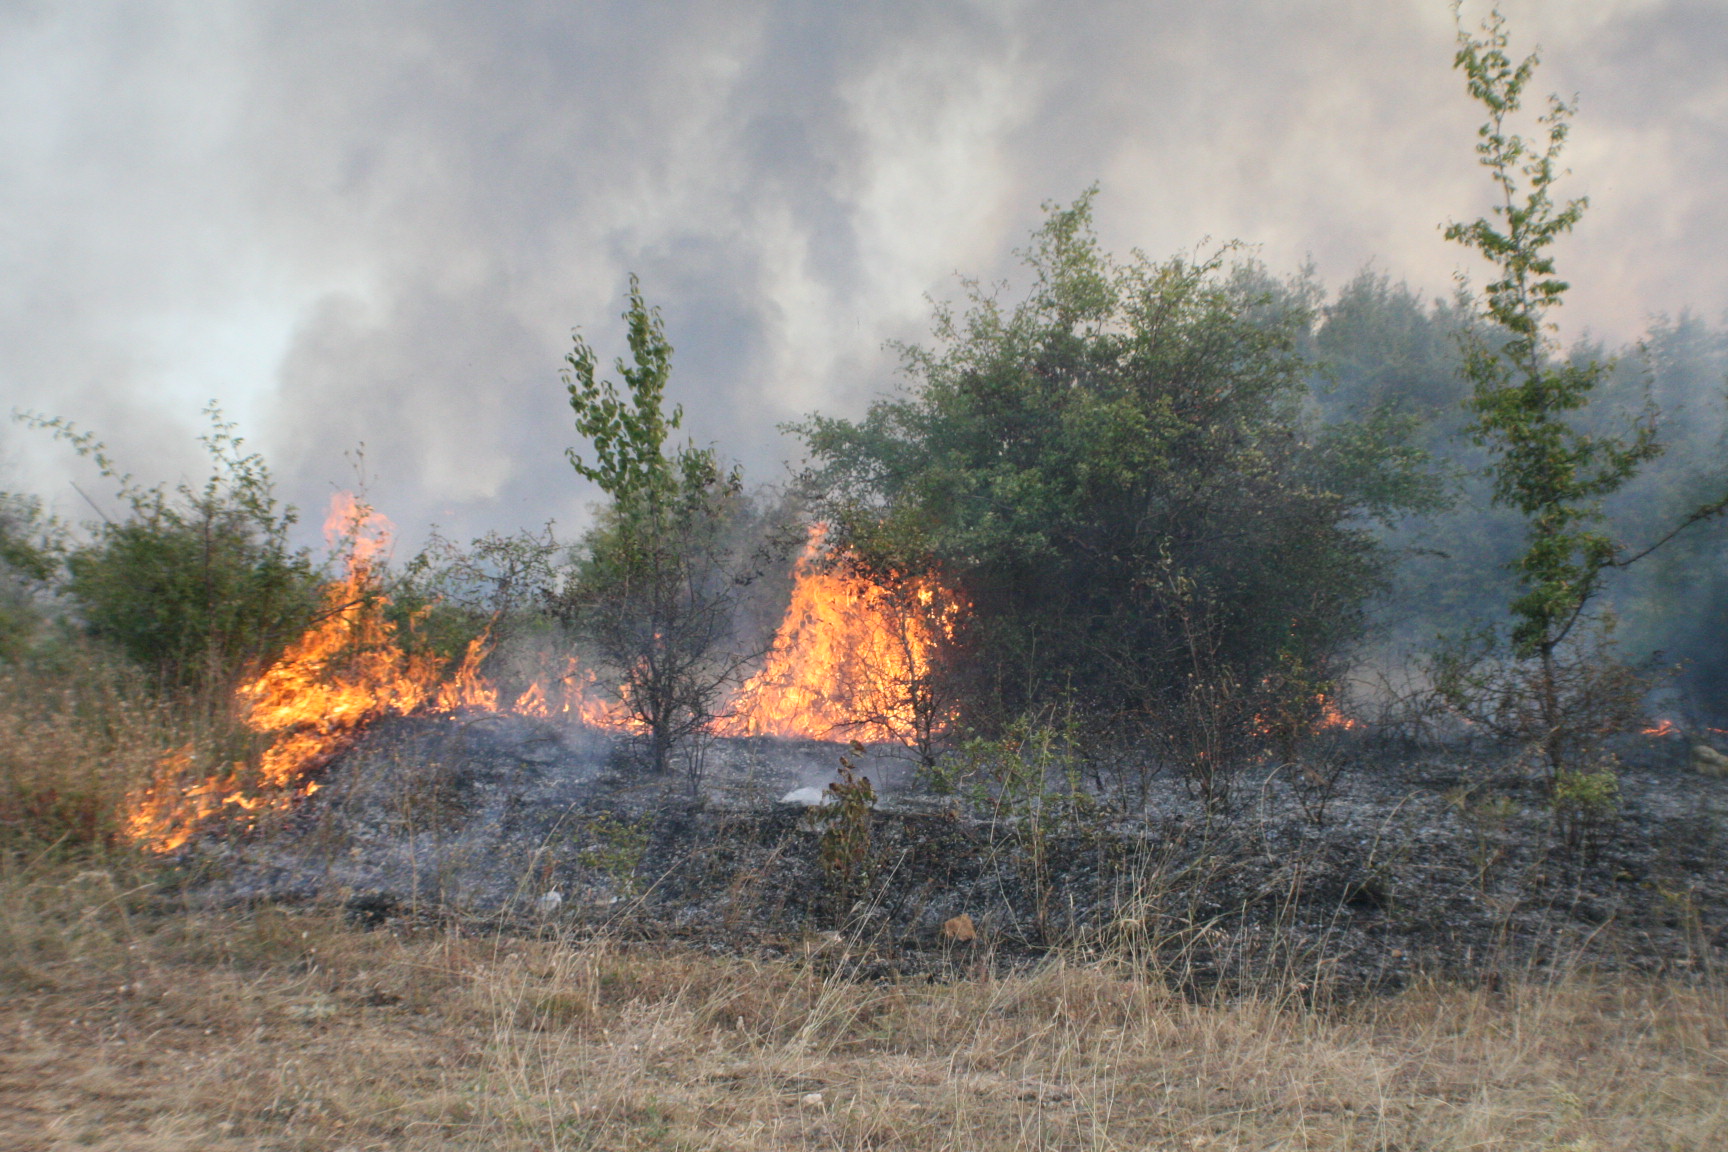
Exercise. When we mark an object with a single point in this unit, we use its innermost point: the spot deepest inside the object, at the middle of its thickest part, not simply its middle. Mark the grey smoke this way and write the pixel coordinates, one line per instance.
(378, 224)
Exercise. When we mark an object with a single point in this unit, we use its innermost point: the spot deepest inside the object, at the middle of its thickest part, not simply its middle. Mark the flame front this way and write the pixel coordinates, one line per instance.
(850, 656)
(348, 670)
(1333, 717)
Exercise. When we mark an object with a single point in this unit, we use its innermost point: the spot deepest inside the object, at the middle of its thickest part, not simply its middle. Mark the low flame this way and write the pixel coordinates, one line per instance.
(1333, 718)
(1663, 727)
(348, 670)
(1326, 716)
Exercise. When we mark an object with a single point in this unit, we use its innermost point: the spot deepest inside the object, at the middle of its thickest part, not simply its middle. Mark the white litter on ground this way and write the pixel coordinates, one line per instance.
(809, 797)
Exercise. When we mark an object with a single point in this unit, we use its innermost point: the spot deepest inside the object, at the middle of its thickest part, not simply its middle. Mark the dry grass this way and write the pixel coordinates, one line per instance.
(128, 1025)
(122, 1028)
(77, 734)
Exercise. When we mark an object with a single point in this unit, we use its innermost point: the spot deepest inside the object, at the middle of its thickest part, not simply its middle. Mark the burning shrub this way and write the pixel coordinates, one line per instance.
(498, 585)
(1064, 463)
(854, 655)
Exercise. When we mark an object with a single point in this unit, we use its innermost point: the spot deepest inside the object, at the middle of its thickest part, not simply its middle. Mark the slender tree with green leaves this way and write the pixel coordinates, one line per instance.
(1553, 473)
(656, 591)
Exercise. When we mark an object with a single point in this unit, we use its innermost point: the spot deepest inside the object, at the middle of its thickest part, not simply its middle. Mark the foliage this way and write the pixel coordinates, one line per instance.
(199, 584)
(1553, 473)
(1677, 601)
(1585, 804)
(1063, 461)
(31, 548)
(1384, 349)
(499, 586)
(656, 591)
(615, 846)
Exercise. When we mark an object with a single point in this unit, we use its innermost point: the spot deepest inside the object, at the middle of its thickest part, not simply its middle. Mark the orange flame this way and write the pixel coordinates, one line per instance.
(577, 696)
(346, 671)
(532, 702)
(849, 655)
(1333, 718)
(1663, 727)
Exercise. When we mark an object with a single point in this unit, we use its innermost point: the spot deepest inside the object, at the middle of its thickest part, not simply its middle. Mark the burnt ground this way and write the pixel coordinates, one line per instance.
(1442, 861)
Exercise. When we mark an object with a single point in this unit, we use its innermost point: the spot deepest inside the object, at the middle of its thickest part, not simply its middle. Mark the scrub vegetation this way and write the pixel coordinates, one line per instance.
(1144, 525)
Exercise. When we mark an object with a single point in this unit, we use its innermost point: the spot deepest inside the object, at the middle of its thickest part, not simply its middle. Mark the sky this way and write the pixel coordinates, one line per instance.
(368, 230)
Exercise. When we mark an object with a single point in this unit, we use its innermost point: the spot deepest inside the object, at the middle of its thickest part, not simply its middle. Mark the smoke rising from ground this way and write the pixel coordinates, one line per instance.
(368, 225)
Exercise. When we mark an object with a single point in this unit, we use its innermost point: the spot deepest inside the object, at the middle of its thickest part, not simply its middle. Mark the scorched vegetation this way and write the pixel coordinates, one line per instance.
(1195, 709)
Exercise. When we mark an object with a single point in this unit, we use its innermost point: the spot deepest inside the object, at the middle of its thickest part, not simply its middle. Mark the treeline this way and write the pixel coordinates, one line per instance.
(1148, 482)
(1162, 514)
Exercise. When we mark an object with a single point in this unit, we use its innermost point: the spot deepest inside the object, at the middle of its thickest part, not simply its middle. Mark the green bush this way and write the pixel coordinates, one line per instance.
(1122, 479)
(199, 585)
(29, 558)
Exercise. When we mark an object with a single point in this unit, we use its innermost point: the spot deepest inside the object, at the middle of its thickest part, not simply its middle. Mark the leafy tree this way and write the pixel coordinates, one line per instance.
(1552, 472)
(657, 588)
(1385, 349)
(1120, 478)
(198, 584)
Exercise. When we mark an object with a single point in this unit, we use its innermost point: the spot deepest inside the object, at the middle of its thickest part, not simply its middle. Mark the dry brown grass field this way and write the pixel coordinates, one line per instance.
(123, 1028)
(128, 1022)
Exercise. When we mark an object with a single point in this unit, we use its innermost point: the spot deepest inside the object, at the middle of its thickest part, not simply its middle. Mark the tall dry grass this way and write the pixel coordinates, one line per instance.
(79, 732)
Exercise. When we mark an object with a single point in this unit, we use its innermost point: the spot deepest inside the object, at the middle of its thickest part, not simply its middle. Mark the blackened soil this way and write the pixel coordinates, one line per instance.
(1444, 861)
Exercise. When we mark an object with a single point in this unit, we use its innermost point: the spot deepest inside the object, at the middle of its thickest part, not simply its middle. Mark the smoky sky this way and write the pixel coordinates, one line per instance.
(377, 224)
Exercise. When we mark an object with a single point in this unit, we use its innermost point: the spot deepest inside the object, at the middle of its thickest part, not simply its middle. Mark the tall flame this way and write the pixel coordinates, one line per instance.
(348, 670)
(850, 656)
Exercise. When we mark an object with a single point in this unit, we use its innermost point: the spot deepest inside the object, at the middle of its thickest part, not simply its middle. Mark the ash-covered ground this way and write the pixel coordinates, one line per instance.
(1443, 861)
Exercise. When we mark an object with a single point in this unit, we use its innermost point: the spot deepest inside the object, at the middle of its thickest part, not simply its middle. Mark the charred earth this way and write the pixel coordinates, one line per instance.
(1438, 861)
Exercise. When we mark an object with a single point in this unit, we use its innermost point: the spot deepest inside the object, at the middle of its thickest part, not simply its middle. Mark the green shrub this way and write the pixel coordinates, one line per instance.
(1121, 479)
(199, 585)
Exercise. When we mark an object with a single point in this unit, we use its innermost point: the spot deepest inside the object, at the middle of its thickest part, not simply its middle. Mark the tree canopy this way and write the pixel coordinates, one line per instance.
(1116, 473)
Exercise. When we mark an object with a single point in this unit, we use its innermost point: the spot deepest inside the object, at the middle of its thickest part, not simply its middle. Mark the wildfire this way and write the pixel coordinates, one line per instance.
(575, 694)
(348, 670)
(1661, 728)
(850, 655)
